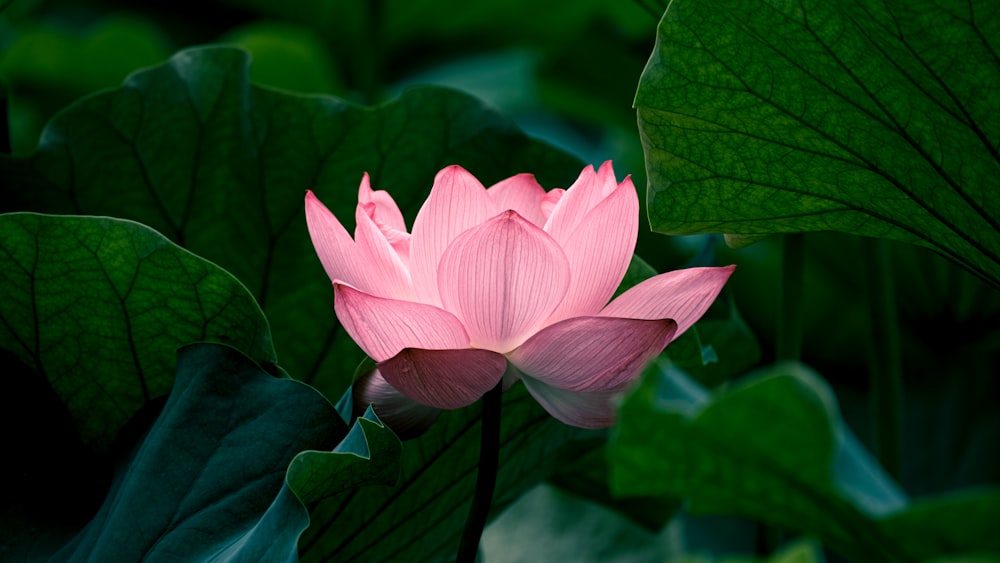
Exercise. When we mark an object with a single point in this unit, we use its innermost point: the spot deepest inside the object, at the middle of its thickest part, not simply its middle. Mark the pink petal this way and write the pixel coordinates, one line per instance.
(383, 262)
(584, 410)
(521, 193)
(383, 212)
(406, 417)
(588, 190)
(382, 327)
(444, 379)
(592, 353)
(599, 251)
(681, 295)
(457, 202)
(551, 199)
(503, 279)
(338, 253)
(386, 212)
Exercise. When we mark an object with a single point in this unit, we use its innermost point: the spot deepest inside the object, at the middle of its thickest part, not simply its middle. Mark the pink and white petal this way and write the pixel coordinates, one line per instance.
(444, 379)
(388, 270)
(386, 212)
(337, 251)
(592, 353)
(503, 279)
(406, 417)
(589, 189)
(457, 202)
(599, 251)
(521, 193)
(583, 410)
(382, 327)
(681, 295)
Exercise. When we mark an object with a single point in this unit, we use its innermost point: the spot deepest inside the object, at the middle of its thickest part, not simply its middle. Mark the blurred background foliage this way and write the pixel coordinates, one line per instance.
(566, 72)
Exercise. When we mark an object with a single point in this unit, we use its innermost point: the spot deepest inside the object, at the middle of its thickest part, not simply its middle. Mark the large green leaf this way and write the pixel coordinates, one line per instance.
(208, 479)
(99, 306)
(220, 166)
(421, 517)
(774, 448)
(873, 118)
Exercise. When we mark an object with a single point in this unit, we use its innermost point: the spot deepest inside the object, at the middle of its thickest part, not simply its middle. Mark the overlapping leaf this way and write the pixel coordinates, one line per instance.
(773, 448)
(220, 166)
(421, 518)
(208, 480)
(99, 306)
(873, 118)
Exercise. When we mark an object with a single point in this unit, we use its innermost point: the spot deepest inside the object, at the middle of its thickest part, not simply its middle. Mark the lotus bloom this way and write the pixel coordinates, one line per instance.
(510, 282)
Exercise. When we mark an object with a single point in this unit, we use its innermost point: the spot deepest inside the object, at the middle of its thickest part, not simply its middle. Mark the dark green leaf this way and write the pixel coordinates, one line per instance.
(47, 55)
(421, 518)
(369, 454)
(99, 306)
(774, 448)
(873, 118)
(192, 149)
(287, 56)
(960, 521)
(583, 470)
(728, 347)
(208, 479)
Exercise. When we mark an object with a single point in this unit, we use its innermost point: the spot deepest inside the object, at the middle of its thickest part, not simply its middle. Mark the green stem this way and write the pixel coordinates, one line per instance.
(5, 144)
(788, 342)
(486, 480)
(789, 329)
(885, 373)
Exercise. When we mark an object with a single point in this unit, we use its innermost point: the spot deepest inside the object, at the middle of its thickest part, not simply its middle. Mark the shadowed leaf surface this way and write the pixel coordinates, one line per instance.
(99, 306)
(421, 517)
(208, 479)
(774, 448)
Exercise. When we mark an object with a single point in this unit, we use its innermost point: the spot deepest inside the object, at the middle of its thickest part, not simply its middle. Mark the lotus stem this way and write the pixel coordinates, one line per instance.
(486, 479)
(789, 329)
(788, 342)
(5, 141)
(885, 373)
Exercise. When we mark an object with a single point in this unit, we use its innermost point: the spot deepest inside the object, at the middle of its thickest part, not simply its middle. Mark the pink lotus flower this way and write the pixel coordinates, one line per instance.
(507, 280)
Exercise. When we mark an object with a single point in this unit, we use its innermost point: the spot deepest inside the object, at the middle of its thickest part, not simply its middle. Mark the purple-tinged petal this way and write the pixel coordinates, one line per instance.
(521, 193)
(589, 189)
(406, 417)
(444, 379)
(457, 202)
(503, 279)
(382, 327)
(592, 353)
(511, 376)
(599, 251)
(583, 410)
(681, 295)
